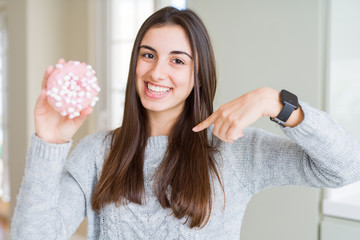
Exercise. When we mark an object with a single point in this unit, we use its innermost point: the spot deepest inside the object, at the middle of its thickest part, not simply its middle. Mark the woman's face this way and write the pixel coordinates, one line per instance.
(164, 70)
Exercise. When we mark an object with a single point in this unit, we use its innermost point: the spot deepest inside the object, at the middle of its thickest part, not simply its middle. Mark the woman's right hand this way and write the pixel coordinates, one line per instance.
(50, 126)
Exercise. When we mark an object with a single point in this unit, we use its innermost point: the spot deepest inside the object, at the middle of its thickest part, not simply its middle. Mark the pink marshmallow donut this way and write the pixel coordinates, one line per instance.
(72, 87)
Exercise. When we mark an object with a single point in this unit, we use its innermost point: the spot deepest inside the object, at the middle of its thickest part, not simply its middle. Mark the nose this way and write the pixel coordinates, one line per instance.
(159, 71)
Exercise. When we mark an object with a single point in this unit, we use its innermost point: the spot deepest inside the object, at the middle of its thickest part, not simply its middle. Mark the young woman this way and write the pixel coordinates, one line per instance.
(174, 169)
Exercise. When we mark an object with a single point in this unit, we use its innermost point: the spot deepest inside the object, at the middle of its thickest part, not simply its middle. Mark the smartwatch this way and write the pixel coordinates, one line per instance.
(290, 102)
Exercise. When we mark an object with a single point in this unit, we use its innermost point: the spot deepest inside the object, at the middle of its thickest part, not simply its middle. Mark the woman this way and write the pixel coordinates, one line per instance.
(174, 169)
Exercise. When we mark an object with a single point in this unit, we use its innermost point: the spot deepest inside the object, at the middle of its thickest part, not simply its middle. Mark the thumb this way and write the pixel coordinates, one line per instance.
(42, 100)
(47, 73)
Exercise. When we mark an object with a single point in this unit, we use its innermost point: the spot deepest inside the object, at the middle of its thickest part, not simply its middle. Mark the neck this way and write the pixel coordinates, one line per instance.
(161, 123)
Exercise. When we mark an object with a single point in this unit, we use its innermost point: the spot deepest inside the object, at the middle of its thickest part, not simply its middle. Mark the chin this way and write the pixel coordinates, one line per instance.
(154, 107)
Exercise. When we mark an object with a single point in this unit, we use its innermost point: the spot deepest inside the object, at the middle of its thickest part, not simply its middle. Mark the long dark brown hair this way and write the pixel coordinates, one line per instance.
(183, 181)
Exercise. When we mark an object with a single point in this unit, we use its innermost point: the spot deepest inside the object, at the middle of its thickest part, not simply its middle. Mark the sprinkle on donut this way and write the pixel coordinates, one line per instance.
(72, 87)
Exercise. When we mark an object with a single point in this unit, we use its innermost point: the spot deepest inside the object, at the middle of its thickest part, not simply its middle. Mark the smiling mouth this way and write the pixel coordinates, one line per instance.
(157, 89)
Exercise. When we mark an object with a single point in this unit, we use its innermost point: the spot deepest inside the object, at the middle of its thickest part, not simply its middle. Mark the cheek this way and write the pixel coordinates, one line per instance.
(186, 87)
(142, 67)
(185, 79)
(190, 83)
(137, 85)
(138, 77)
(137, 72)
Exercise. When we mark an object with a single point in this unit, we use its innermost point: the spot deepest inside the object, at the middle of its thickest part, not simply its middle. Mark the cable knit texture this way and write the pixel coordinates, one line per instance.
(56, 191)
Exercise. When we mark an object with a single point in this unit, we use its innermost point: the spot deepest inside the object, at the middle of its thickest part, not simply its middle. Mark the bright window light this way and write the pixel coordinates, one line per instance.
(343, 94)
(179, 4)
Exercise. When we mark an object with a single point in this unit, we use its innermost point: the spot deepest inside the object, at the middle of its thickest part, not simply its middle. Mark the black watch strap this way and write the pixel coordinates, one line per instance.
(290, 102)
(284, 114)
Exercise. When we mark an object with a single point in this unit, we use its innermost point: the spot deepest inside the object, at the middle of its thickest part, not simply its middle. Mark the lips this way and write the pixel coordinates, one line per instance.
(156, 91)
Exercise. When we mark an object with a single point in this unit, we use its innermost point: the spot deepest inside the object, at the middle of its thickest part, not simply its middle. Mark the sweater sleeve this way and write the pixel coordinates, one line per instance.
(319, 153)
(50, 203)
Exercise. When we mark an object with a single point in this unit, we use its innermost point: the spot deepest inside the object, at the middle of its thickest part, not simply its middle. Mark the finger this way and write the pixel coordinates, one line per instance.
(61, 61)
(216, 132)
(224, 127)
(42, 98)
(224, 139)
(206, 123)
(87, 111)
(42, 105)
(234, 133)
(48, 71)
(83, 116)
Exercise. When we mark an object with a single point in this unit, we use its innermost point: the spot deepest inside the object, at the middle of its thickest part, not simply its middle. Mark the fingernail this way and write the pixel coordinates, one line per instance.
(195, 128)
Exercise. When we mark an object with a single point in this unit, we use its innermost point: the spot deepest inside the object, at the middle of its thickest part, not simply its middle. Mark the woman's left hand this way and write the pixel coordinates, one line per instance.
(233, 117)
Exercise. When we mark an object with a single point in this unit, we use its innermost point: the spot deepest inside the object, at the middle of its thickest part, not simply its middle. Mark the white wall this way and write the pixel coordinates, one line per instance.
(278, 43)
(17, 85)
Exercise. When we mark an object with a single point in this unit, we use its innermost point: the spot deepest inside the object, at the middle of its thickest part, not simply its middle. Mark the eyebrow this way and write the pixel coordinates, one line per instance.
(172, 52)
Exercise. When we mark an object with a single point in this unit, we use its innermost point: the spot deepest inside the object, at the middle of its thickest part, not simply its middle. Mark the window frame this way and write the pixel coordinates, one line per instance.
(343, 202)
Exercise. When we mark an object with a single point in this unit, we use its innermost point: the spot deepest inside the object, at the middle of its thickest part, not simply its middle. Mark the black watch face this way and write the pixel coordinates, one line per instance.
(289, 98)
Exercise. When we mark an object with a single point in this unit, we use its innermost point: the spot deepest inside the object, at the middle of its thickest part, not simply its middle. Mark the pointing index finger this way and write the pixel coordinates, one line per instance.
(205, 124)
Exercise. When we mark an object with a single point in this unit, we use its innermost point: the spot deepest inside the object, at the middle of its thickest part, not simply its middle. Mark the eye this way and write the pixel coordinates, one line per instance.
(148, 55)
(177, 61)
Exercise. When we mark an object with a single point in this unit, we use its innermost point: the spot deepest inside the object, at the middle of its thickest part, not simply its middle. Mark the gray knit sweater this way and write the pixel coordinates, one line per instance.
(56, 191)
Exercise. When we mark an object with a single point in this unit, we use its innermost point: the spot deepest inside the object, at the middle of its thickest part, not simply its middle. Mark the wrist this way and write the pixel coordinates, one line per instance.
(271, 102)
(284, 109)
(295, 118)
(52, 140)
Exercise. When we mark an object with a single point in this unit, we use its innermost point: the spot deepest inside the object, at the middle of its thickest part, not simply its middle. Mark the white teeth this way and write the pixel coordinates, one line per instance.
(157, 89)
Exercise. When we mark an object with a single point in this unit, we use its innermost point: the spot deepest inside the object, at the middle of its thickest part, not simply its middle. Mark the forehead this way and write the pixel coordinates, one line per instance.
(167, 38)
